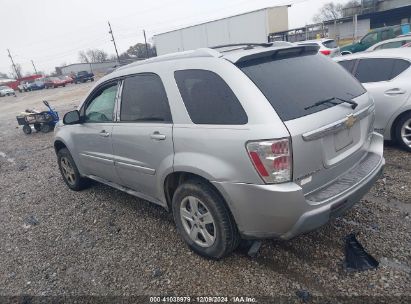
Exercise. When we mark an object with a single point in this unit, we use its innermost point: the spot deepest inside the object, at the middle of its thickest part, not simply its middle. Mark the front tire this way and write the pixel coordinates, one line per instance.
(69, 171)
(403, 131)
(27, 129)
(204, 221)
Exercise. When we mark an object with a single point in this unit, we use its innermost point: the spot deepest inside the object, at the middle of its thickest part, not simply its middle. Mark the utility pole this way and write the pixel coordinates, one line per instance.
(35, 70)
(14, 66)
(145, 41)
(114, 41)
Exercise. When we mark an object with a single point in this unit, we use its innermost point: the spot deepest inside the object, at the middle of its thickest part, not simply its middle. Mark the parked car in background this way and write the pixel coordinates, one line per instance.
(252, 141)
(327, 46)
(373, 37)
(390, 43)
(66, 79)
(6, 91)
(407, 45)
(53, 82)
(24, 86)
(37, 84)
(83, 76)
(386, 74)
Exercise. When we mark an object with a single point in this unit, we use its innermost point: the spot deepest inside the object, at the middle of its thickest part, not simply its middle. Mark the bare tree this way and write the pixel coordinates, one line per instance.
(82, 56)
(329, 11)
(93, 55)
(139, 51)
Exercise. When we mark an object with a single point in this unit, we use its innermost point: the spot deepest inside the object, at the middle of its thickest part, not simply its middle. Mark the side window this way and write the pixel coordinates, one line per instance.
(208, 99)
(373, 70)
(391, 45)
(385, 35)
(380, 69)
(144, 100)
(400, 66)
(370, 38)
(347, 64)
(101, 107)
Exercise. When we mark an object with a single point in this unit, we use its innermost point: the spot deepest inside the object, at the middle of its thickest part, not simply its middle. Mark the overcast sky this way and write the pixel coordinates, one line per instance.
(52, 32)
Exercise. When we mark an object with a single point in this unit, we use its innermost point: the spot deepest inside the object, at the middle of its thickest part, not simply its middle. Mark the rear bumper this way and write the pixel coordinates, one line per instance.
(284, 211)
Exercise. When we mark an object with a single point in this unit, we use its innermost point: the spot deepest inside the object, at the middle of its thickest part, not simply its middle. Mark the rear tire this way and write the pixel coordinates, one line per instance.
(37, 127)
(45, 128)
(69, 171)
(27, 129)
(204, 221)
(403, 132)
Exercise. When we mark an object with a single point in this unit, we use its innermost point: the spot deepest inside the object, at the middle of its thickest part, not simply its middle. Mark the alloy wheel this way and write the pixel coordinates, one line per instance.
(198, 221)
(68, 171)
(406, 132)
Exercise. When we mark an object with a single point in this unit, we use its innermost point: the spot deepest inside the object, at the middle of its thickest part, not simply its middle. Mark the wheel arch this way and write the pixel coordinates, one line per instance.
(394, 123)
(176, 178)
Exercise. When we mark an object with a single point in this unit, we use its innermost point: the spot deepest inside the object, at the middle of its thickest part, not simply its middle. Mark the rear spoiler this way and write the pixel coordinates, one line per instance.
(282, 53)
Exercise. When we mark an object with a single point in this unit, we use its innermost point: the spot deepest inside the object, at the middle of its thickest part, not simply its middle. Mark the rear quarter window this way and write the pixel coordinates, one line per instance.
(380, 69)
(348, 65)
(208, 99)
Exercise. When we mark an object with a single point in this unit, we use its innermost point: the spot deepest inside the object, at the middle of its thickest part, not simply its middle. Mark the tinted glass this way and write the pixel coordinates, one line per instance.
(100, 109)
(331, 44)
(385, 35)
(379, 69)
(208, 99)
(292, 84)
(144, 100)
(399, 67)
(370, 38)
(347, 64)
(391, 45)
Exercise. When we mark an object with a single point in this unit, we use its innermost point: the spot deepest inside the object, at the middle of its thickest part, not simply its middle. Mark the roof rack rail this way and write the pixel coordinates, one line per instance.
(247, 45)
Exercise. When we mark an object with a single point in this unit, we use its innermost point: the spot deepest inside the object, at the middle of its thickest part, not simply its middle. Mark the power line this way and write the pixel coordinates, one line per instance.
(114, 41)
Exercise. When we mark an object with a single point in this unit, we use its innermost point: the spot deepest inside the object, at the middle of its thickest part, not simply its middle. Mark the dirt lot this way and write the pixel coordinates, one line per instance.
(103, 242)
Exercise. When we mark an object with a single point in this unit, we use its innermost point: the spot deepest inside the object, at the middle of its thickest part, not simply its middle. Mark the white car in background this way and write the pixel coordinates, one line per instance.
(386, 74)
(327, 46)
(6, 91)
(390, 43)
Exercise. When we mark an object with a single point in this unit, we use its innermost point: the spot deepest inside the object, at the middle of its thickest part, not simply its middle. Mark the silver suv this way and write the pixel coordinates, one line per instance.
(243, 141)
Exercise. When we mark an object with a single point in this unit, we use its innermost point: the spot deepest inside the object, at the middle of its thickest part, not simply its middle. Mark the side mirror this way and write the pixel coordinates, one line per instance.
(71, 118)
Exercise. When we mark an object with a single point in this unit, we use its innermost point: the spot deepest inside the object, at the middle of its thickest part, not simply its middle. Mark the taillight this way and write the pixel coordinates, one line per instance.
(325, 52)
(272, 159)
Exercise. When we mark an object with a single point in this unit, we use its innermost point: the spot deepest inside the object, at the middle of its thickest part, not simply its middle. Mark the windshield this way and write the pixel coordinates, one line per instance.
(293, 84)
(3, 87)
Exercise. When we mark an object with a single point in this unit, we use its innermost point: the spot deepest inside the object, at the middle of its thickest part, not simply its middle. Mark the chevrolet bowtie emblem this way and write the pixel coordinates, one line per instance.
(351, 119)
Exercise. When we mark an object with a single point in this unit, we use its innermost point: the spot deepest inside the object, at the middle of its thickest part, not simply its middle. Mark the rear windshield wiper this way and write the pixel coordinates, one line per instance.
(318, 103)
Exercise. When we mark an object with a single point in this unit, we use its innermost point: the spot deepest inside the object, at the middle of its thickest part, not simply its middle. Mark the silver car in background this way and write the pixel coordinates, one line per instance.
(386, 74)
(328, 47)
(256, 141)
(390, 44)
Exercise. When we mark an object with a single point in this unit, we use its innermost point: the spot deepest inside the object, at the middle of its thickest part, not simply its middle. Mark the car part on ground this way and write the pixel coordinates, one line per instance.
(356, 258)
(181, 131)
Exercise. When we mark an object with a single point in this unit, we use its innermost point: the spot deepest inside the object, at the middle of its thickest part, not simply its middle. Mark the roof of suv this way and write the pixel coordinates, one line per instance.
(384, 53)
(232, 53)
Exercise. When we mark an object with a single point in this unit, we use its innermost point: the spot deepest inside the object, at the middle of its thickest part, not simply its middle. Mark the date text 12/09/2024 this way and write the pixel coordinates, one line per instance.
(202, 299)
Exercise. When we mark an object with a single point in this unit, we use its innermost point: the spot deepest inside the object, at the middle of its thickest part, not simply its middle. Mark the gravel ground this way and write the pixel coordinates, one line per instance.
(104, 242)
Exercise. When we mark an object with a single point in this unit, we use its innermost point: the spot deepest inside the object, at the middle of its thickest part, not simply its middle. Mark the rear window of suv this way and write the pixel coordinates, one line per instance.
(293, 84)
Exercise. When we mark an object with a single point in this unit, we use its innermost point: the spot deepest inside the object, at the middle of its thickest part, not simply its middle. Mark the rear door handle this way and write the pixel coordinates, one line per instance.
(157, 136)
(103, 133)
(395, 91)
